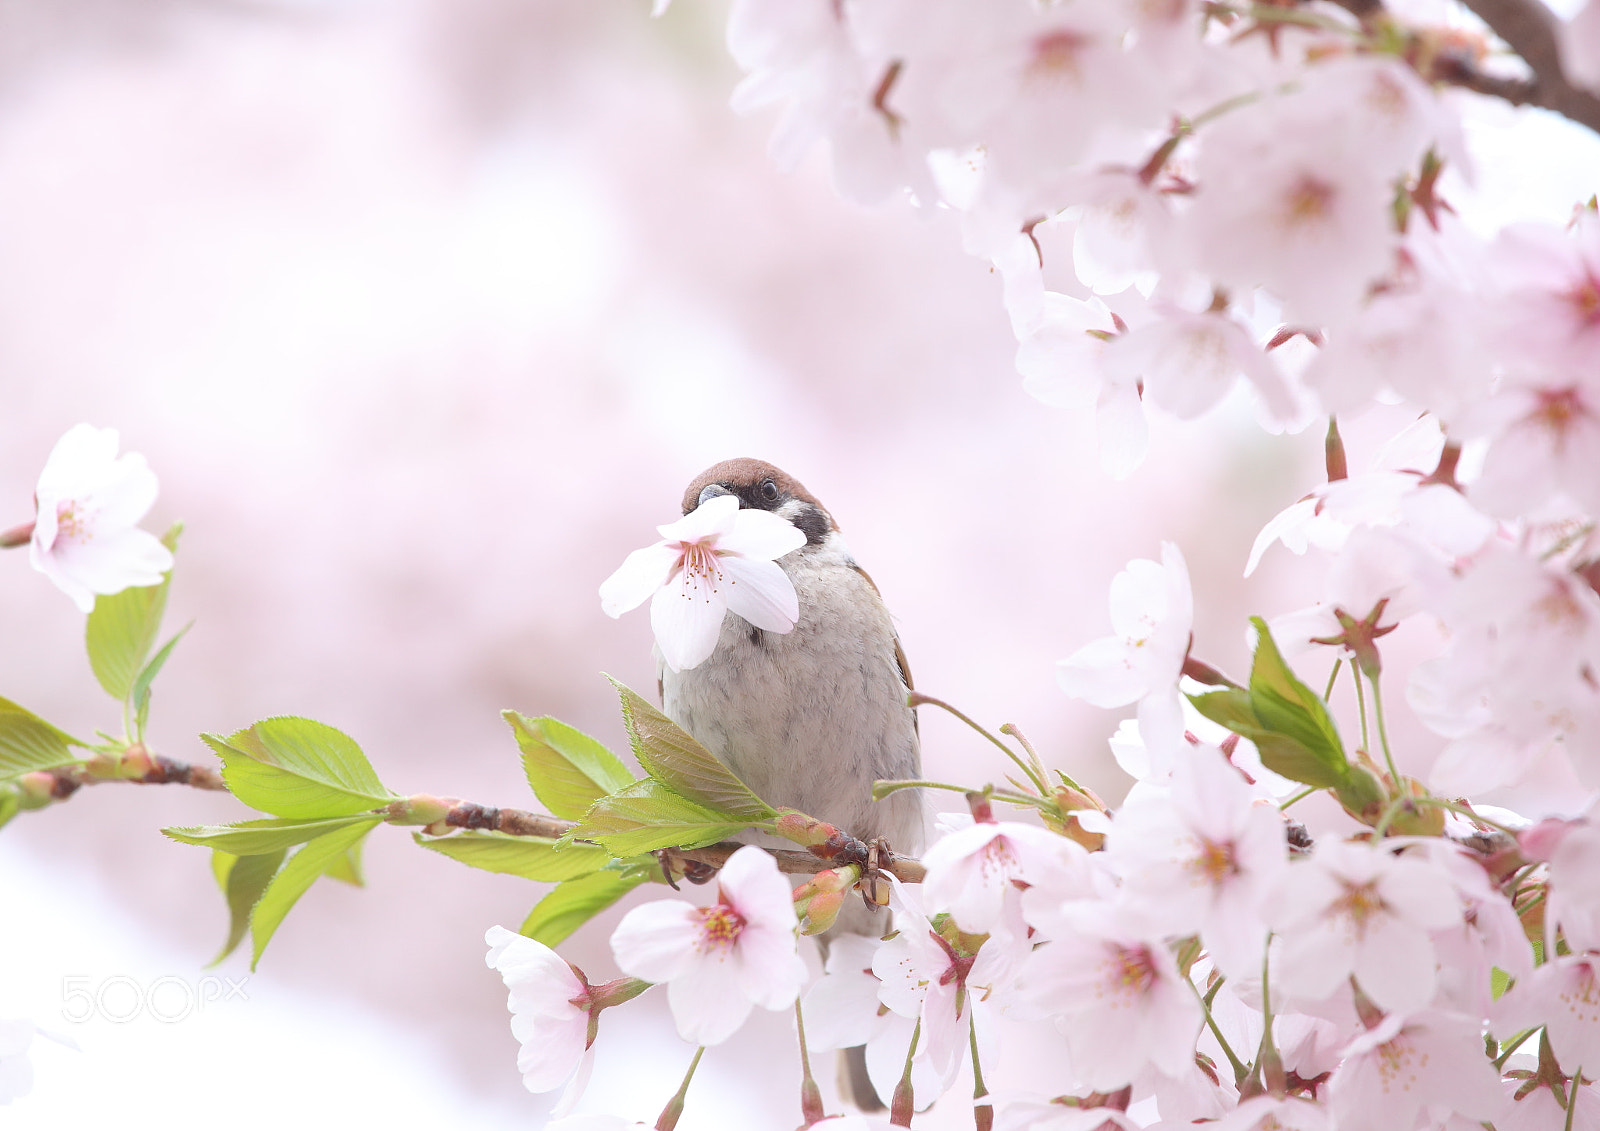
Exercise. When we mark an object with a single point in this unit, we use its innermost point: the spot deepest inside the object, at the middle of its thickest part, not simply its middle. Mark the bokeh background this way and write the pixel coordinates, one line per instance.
(424, 311)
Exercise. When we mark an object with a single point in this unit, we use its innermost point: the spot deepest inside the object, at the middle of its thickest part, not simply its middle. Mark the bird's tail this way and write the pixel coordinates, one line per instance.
(854, 1083)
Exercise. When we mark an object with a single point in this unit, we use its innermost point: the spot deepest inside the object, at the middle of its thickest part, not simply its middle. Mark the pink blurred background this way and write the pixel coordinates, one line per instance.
(424, 313)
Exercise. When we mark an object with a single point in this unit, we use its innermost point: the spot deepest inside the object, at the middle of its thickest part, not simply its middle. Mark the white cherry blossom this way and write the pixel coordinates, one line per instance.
(719, 961)
(1564, 996)
(1410, 1063)
(86, 536)
(1353, 908)
(549, 1014)
(1201, 857)
(715, 560)
(1152, 613)
(971, 872)
(1114, 991)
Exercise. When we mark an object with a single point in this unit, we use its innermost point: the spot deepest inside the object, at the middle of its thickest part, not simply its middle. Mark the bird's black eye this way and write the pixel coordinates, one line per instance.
(769, 490)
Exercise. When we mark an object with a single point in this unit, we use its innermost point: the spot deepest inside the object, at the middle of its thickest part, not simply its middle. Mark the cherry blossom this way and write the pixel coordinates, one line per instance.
(1201, 857)
(721, 960)
(549, 1010)
(86, 537)
(1152, 612)
(972, 872)
(926, 976)
(1408, 1063)
(1353, 908)
(716, 559)
(1115, 993)
(1564, 996)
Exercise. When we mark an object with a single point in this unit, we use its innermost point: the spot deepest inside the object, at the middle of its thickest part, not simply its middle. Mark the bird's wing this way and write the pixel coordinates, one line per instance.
(899, 650)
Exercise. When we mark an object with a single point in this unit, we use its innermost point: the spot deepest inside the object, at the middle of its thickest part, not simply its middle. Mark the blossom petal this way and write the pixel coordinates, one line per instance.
(711, 519)
(641, 574)
(657, 941)
(760, 534)
(687, 619)
(706, 1000)
(761, 593)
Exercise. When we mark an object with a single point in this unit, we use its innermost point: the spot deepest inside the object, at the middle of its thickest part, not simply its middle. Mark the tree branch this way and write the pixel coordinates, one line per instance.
(1533, 31)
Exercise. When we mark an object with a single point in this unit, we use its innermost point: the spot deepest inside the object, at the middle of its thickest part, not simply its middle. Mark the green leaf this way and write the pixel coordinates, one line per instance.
(1290, 710)
(28, 743)
(647, 816)
(574, 902)
(533, 858)
(670, 754)
(122, 628)
(10, 803)
(1499, 982)
(1288, 722)
(347, 868)
(252, 838)
(147, 675)
(292, 881)
(567, 769)
(293, 767)
(242, 879)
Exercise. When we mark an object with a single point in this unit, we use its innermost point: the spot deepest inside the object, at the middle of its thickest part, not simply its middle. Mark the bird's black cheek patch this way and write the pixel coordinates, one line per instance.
(812, 523)
(756, 636)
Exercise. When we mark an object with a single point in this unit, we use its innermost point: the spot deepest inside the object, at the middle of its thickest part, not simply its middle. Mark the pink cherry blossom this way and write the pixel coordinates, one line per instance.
(1201, 857)
(971, 872)
(549, 1014)
(715, 560)
(719, 961)
(1410, 1063)
(923, 977)
(1114, 991)
(1190, 361)
(1564, 996)
(86, 537)
(1152, 612)
(1353, 908)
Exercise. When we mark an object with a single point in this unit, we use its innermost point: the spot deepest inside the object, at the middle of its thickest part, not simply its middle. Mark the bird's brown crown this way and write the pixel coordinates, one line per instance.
(744, 477)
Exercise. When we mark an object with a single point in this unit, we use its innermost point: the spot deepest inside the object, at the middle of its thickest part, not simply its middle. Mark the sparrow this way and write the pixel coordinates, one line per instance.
(809, 719)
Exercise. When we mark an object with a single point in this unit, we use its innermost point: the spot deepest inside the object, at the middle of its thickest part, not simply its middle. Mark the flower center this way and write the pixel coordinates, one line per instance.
(1215, 861)
(1308, 201)
(720, 926)
(700, 561)
(1395, 1063)
(1132, 969)
(70, 521)
(1359, 903)
(1055, 55)
(1585, 300)
(1557, 411)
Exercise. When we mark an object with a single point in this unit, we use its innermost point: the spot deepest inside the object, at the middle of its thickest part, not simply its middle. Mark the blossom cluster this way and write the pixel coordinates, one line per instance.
(1183, 199)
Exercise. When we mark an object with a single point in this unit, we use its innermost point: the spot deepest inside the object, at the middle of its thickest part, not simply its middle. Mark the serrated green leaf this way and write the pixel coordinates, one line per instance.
(574, 902)
(295, 877)
(671, 755)
(147, 675)
(1281, 754)
(566, 769)
(243, 879)
(253, 838)
(1288, 722)
(533, 858)
(1289, 710)
(122, 628)
(293, 767)
(28, 743)
(347, 868)
(647, 816)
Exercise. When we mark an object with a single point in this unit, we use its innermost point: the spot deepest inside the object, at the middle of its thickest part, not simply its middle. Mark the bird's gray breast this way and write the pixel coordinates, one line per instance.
(810, 718)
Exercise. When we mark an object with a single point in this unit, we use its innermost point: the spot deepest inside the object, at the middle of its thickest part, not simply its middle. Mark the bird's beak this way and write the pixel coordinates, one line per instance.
(711, 491)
